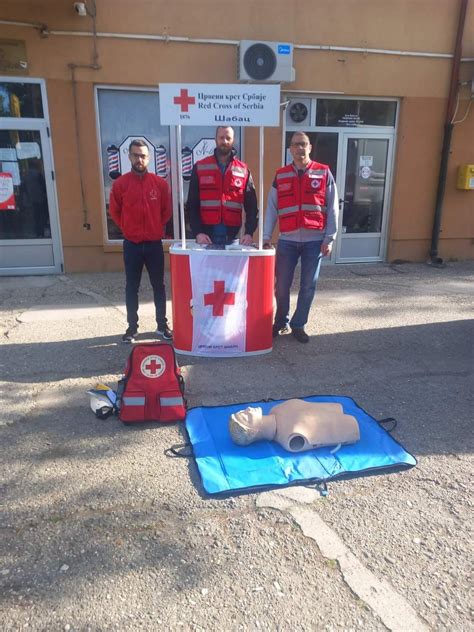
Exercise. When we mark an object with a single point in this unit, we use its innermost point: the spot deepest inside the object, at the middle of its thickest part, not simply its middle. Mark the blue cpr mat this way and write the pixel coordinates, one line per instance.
(226, 467)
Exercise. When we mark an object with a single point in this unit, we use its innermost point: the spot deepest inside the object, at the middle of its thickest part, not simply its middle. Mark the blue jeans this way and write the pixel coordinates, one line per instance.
(287, 255)
(135, 256)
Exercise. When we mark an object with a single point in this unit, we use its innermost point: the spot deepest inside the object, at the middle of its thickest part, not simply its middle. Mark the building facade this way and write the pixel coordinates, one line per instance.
(370, 86)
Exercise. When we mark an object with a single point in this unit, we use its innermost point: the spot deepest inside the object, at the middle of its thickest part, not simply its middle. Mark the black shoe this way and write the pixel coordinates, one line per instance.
(129, 336)
(165, 332)
(300, 334)
(278, 330)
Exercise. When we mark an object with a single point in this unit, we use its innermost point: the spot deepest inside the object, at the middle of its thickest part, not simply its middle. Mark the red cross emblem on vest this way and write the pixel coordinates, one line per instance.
(153, 366)
(219, 298)
(184, 100)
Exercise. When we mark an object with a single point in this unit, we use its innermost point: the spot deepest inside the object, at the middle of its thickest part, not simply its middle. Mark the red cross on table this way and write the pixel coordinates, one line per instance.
(184, 100)
(153, 366)
(219, 298)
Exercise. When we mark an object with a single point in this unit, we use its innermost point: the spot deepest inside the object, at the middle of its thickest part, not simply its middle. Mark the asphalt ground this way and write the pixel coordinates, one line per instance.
(100, 530)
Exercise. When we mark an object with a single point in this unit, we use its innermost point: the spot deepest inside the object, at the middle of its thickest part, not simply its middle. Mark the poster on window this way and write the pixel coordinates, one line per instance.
(7, 153)
(203, 148)
(14, 170)
(7, 194)
(28, 150)
(190, 156)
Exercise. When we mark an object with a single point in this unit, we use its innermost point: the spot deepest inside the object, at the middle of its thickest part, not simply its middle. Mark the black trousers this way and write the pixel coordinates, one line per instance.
(135, 256)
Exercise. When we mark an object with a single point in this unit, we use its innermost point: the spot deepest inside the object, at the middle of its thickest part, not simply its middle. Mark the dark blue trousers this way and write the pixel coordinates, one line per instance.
(287, 256)
(135, 256)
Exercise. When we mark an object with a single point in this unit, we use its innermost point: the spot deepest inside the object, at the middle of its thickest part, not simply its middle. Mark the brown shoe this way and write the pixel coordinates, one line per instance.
(300, 334)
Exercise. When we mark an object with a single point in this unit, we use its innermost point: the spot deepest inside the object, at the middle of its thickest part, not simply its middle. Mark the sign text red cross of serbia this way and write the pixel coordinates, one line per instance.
(184, 100)
(219, 298)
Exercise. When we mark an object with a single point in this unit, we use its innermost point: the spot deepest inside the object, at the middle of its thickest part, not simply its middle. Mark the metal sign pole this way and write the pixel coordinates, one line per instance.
(283, 132)
(180, 186)
(260, 193)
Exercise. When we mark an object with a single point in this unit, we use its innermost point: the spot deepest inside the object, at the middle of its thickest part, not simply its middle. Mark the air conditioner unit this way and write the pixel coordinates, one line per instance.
(298, 113)
(270, 62)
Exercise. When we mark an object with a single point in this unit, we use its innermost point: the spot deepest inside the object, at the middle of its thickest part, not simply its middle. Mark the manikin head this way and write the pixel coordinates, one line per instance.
(249, 425)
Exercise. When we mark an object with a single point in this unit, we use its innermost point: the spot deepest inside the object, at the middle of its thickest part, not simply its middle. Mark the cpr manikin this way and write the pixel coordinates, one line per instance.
(296, 425)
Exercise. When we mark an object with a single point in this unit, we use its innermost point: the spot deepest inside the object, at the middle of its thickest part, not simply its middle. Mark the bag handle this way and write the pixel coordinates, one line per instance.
(181, 450)
(387, 420)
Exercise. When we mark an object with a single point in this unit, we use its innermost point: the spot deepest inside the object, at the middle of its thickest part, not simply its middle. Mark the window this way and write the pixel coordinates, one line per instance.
(25, 213)
(127, 114)
(355, 113)
(365, 185)
(20, 100)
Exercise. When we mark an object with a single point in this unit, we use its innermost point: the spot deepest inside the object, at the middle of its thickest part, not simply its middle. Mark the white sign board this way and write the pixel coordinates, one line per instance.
(220, 104)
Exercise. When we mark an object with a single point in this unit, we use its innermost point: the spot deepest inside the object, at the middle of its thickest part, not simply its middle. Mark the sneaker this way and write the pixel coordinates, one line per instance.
(129, 336)
(165, 332)
(300, 334)
(277, 330)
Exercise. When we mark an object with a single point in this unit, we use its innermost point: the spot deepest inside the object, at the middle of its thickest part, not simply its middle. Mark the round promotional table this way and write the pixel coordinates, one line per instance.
(222, 300)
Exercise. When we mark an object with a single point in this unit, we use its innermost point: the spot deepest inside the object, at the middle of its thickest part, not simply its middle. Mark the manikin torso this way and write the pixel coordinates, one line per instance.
(296, 425)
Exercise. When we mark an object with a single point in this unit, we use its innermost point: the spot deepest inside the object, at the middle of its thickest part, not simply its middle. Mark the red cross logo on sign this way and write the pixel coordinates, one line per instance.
(219, 298)
(153, 366)
(184, 100)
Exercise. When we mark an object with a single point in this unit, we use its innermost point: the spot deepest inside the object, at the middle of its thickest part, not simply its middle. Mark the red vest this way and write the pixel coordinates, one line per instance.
(221, 197)
(302, 200)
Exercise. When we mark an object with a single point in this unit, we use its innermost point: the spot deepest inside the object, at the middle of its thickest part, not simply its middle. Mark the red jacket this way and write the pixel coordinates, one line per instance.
(302, 200)
(140, 205)
(221, 196)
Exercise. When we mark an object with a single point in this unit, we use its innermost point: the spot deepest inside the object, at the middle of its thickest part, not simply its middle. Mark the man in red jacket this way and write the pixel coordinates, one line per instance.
(140, 205)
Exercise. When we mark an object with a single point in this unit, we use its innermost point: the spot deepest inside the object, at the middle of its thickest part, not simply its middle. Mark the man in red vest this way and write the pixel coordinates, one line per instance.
(140, 205)
(304, 200)
(220, 188)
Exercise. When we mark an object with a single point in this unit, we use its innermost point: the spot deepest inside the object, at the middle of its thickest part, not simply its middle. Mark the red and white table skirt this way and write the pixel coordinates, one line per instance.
(222, 300)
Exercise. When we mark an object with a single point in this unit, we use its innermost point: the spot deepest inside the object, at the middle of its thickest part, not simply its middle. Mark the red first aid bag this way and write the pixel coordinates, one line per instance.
(152, 388)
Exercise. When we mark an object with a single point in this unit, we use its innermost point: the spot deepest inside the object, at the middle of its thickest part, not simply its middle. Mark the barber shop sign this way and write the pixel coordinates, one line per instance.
(220, 104)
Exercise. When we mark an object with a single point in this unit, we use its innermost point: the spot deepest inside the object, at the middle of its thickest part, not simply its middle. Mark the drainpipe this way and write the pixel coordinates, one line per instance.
(92, 13)
(448, 131)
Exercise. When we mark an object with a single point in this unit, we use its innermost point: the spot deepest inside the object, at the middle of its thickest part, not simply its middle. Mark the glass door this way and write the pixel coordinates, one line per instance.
(365, 190)
(29, 230)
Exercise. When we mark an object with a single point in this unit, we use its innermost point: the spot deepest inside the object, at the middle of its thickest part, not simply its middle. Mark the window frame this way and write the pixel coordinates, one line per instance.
(44, 99)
